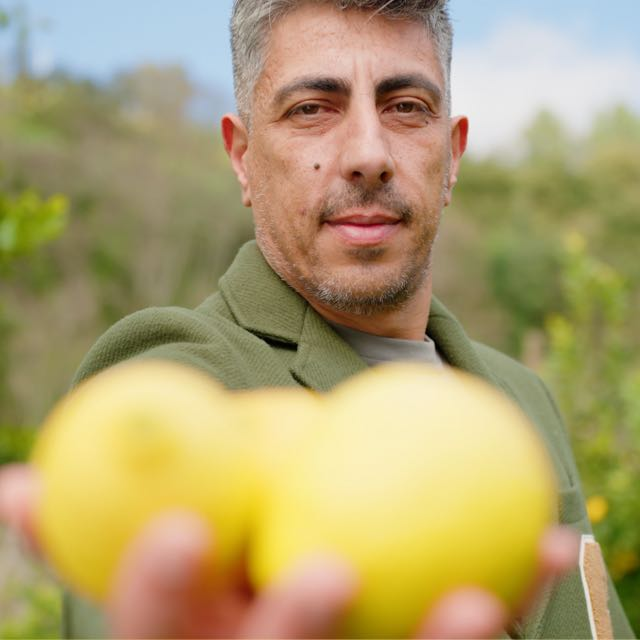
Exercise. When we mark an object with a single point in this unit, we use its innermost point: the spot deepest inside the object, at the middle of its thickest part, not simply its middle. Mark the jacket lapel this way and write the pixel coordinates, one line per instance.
(323, 359)
(454, 344)
(259, 299)
(265, 305)
(458, 349)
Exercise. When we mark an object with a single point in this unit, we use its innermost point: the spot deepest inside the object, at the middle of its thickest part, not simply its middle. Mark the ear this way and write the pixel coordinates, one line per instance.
(236, 143)
(459, 131)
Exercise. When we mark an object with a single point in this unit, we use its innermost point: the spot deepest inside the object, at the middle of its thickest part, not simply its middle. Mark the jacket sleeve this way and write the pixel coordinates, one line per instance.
(211, 344)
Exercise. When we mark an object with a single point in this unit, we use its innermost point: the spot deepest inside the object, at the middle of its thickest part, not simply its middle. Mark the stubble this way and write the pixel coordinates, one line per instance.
(365, 288)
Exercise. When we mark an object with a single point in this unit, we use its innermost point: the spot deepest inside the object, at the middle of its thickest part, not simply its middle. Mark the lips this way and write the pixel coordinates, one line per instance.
(364, 229)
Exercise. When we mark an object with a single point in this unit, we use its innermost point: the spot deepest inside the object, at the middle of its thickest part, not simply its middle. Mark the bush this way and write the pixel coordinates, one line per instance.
(27, 222)
(15, 443)
(595, 372)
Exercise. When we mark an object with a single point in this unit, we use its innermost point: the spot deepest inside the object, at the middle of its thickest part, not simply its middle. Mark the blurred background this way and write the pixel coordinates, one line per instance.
(115, 194)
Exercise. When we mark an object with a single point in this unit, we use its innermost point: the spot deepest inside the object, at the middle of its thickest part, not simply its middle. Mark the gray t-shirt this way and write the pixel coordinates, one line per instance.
(379, 349)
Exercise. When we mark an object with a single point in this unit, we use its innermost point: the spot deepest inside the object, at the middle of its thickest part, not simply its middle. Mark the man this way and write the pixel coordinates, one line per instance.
(345, 149)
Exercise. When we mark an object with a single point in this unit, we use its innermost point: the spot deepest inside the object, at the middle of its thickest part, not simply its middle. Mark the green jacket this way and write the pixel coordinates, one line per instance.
(256, 331)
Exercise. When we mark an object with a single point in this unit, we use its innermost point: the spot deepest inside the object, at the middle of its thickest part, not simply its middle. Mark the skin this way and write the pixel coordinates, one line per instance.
(347, 179)
(353, 235)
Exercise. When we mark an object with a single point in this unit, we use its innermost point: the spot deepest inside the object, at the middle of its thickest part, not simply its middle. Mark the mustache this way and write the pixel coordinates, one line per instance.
(355, 196)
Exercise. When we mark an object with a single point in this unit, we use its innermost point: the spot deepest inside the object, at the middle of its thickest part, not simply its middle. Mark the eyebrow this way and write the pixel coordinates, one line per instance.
(323, 84)
(328, 84)
(409, 81)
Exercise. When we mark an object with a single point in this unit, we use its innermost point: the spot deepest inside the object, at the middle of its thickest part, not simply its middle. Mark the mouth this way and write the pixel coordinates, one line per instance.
(364, 229)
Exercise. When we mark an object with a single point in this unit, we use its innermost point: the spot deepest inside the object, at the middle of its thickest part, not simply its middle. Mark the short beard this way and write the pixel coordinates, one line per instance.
(347, 297)
(393, 296)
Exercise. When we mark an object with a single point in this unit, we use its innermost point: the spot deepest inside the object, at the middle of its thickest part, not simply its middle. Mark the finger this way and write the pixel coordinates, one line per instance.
(156, 587)
(307, 604)
(18, 495)
(465, 613)
(558, 552)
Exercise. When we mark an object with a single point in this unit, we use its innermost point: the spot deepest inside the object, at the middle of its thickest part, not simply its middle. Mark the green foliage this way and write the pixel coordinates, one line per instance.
(516, 209)
(522, 274)
(27, 222)
(546, 140)
(62, 109)
(596, 376)
(159, 93)
(15, 443)
(155, 219)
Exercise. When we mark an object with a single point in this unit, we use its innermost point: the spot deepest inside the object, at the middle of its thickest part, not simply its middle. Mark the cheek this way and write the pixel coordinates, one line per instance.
(297, 181)
(283, 196)
(421, 161)
(289, 153)
(434, 172)
(287, 169)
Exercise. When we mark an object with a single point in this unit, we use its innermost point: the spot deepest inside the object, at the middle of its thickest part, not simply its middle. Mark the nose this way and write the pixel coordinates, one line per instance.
(365, 158)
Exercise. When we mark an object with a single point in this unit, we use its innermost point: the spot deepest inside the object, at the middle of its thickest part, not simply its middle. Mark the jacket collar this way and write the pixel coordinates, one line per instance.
(262, 303)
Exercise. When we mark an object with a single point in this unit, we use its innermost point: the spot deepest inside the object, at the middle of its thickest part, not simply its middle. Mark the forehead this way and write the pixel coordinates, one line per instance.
(318, 38)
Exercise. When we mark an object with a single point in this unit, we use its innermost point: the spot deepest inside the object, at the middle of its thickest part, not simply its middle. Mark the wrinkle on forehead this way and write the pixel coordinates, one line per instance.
(317, 38)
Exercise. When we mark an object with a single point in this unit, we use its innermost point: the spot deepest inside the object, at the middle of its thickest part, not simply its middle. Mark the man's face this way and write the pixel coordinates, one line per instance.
(349, 158)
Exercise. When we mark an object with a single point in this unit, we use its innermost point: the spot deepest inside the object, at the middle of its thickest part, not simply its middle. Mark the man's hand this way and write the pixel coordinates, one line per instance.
(159, 591)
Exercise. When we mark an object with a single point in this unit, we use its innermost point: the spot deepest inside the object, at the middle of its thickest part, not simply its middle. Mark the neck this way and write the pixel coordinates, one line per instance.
(407, 322)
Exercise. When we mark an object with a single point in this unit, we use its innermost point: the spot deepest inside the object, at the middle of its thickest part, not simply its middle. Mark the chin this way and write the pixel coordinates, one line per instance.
(367, 291)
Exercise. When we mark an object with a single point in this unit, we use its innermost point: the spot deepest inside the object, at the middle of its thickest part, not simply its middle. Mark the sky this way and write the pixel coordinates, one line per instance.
(511, 57)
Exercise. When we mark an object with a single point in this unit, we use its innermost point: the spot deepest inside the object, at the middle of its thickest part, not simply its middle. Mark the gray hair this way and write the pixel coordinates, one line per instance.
(251, 21)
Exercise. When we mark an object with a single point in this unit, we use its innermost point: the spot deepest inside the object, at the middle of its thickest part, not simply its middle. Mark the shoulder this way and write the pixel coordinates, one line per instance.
(513, 375)
(534, 397)
(519, 381)
(525, 386)
(206, 338)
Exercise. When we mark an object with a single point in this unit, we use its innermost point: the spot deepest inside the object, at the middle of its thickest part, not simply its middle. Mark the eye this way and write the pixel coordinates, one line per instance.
(307, 109)
(409, 107)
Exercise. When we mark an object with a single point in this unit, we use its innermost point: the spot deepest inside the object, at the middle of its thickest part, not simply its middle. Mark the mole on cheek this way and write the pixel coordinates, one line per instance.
(316, 166)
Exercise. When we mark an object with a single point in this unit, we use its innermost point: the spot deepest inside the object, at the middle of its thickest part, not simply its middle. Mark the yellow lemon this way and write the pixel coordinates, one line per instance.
(137, 440)
(281, 422)
(423, 481)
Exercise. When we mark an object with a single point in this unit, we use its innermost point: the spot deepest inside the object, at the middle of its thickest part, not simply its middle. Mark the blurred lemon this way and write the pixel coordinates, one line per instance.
(423, 481)
(135, 441)
(279, 421)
